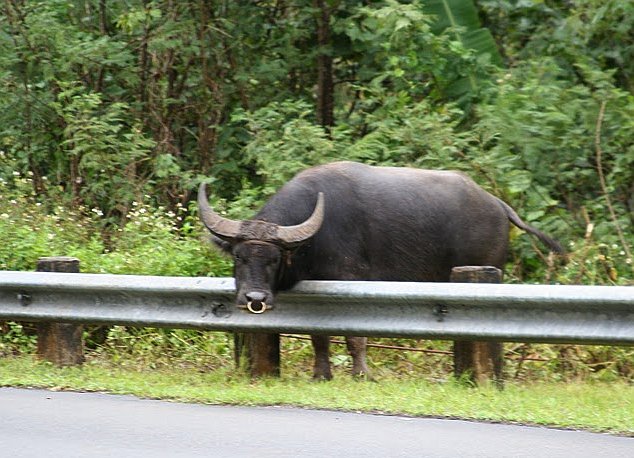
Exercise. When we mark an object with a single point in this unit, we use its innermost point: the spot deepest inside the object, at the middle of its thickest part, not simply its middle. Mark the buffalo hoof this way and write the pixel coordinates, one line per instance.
(322, 377)
(362, 376)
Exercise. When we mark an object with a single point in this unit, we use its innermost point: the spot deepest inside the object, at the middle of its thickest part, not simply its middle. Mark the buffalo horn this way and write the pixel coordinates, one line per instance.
(292, 235)
(230, 230)
(223, 228)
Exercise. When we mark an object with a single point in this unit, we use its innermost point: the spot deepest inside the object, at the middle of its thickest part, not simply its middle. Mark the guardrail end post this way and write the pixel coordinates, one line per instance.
(482, 362)
(60, 343)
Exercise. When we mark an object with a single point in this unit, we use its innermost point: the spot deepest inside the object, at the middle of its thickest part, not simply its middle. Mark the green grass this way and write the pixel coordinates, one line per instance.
(592, 406)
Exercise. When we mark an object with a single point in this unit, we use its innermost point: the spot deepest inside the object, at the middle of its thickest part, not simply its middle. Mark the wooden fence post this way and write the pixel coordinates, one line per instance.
(482, 361)
(60, 343)
(262, 351)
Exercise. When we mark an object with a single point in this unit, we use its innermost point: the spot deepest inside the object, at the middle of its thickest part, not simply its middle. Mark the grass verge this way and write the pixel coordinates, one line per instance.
(591, 406)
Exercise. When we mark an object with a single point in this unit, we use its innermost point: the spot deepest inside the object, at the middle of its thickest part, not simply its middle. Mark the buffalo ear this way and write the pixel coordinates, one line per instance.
(223, 245)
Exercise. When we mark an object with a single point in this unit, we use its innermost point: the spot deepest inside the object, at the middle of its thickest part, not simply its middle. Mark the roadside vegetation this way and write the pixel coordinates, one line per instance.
(588, 406)
(108, 125)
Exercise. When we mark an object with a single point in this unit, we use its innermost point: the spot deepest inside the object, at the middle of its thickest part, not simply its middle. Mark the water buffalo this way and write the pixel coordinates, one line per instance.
(350, 221)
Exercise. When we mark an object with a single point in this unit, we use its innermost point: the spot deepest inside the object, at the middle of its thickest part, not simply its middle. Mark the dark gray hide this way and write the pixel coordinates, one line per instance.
(379, 223)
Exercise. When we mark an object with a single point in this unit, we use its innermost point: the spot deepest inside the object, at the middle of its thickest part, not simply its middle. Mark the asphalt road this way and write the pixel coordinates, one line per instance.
(37, 423)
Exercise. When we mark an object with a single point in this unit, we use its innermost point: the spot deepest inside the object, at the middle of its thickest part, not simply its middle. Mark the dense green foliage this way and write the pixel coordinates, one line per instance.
(103, 104)
(111, 113)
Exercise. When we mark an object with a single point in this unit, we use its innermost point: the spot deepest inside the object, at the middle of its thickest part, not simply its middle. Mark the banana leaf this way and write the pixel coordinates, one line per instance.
(461, 17)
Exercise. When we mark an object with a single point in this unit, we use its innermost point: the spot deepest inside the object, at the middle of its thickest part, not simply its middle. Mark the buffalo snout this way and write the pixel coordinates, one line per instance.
(257, 302)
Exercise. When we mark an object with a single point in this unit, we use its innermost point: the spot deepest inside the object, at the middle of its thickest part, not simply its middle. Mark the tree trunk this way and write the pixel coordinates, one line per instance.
(325, 84)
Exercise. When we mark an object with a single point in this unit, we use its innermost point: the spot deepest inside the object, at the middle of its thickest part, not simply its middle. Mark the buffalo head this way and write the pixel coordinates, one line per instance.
(260, 249)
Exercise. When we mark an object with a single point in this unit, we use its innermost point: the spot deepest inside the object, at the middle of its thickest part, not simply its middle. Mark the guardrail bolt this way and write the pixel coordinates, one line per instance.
(25, 299)
(440, 310)
(220, 310)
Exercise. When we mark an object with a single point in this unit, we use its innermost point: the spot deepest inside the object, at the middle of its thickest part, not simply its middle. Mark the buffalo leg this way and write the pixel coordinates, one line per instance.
(357, 349)
(321, 369)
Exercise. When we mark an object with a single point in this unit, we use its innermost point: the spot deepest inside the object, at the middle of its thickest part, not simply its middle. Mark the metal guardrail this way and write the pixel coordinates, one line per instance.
(526, 313)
